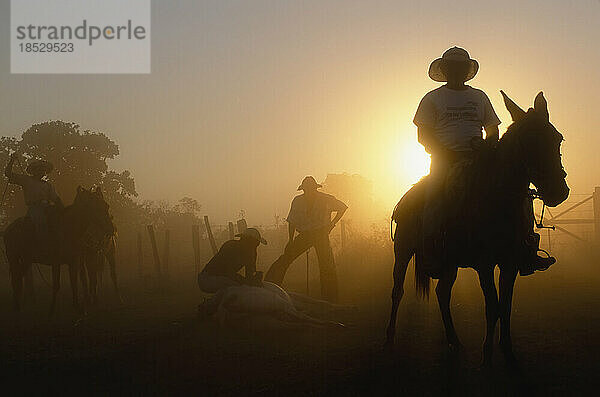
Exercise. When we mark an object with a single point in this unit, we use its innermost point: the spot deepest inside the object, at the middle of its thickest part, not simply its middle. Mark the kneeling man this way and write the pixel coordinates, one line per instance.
(222, 270)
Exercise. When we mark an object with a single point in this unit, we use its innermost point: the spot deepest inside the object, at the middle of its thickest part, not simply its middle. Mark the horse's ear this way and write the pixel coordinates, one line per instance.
(515, 111)
(540, 106)
(79, 189)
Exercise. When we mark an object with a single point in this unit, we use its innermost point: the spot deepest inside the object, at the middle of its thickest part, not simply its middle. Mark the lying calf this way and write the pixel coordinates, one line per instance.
(270, 305)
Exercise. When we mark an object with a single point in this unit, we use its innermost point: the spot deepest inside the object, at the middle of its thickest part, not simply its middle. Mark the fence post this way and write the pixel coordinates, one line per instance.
(211, 238)
(596, 201)
(166, 252)
(231, 232)
(154, 249)
(196, 245)
(140, 254)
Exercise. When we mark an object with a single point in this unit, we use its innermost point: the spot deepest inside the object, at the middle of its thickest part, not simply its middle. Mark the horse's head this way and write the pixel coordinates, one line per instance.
(539, 143)
(92, 203)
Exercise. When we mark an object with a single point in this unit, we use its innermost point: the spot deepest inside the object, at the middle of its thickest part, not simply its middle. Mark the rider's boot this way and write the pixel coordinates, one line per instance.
(535, 262)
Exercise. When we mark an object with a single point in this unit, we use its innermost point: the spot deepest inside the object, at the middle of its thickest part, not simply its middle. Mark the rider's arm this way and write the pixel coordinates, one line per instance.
(250, 266)
(8, 171)
(492, 134)
(427, 138)
(55, 198)
(291, 231)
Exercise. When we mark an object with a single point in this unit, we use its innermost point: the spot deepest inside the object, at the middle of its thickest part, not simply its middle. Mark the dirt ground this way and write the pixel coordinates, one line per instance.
(153, 343)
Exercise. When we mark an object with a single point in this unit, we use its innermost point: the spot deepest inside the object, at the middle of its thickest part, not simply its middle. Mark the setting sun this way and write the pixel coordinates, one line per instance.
(412, 162)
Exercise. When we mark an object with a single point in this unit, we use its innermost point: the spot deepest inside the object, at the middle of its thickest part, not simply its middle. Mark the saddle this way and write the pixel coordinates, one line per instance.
(461, 215)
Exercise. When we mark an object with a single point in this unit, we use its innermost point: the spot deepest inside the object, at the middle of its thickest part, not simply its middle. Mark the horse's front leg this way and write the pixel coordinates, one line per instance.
(83, 276)
(443, 290)
(486, 281)
(74, 268)
(402, 255)
(508, 276)
(16, 279)
(55, 287)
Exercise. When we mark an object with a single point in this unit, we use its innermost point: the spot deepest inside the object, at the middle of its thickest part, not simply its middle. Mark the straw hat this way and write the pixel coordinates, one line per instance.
(455, 54)
(309, 183)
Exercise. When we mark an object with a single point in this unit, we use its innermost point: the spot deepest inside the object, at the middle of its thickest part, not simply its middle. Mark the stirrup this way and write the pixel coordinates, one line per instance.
(550, 259)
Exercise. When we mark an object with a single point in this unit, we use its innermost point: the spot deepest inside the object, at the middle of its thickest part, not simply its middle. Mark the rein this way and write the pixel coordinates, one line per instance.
(540, 225)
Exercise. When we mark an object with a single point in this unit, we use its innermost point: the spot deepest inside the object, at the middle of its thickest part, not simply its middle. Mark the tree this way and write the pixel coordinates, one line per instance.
(79, 158)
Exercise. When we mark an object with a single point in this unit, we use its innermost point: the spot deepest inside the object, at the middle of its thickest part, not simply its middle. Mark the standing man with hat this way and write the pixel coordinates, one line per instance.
(310, 215)
(39, 195)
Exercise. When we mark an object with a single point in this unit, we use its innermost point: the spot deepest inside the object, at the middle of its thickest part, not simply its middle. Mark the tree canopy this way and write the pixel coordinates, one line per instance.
(80, 158)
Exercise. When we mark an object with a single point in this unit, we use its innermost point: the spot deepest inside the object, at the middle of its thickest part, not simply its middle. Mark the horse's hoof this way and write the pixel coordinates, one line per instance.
(509, 357)
(455, 347)
(486, 363)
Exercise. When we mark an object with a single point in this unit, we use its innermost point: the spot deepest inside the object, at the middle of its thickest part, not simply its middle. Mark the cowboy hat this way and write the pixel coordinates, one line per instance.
(253, 234)
(455, 54)
(39, 166)
(309, 183)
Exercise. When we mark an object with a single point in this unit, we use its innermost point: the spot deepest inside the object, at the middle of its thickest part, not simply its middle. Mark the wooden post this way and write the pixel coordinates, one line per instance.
(140, 254)
(596, 200)
(242, 225)
(154, 249)
(231, 232)
(343, 232)
(166, 252)
(211, 238)
(196, 245)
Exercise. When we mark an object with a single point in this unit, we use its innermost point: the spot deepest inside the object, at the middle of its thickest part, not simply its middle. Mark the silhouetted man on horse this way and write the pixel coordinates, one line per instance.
(60, 234)
(39, 195)
(450, 120)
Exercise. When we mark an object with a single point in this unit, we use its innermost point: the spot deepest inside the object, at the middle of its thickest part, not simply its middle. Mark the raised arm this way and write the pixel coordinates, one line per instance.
(8, 171)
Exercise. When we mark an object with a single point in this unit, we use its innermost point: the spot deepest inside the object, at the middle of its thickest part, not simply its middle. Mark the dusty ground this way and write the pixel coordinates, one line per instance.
(153, 344)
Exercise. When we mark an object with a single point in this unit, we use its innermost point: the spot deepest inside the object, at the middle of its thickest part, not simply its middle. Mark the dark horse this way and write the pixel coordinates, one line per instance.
(493, 219)
(69, 228)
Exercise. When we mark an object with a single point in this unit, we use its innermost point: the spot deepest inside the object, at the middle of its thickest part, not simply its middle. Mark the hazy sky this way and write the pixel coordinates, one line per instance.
(247, 97)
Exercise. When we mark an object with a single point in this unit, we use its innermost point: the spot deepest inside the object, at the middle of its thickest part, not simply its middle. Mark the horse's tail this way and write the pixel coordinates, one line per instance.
(408, 217)
(422, 279)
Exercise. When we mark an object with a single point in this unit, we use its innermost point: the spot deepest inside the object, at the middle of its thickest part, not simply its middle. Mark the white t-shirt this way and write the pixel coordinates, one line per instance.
(456, 116)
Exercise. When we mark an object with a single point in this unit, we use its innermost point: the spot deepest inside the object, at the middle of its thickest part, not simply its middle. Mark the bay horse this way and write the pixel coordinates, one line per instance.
(69, 226)
(494, 219)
